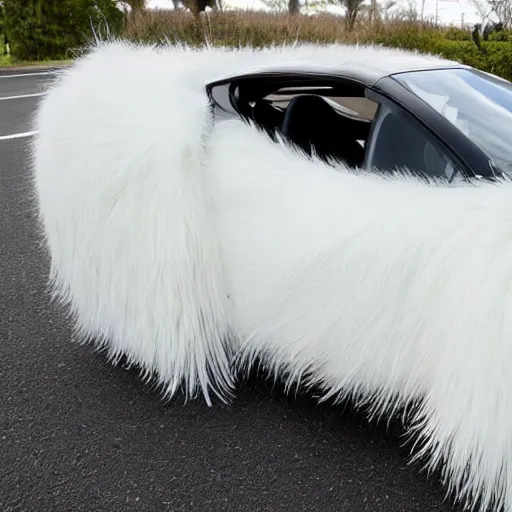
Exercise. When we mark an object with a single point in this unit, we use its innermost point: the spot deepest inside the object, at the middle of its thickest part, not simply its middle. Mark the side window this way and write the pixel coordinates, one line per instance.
(400, 143)
(358, 107)
(355, 108)
(332, 121)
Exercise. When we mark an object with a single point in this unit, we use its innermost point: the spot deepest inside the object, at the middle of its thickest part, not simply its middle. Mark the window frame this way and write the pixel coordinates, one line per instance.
(232, 96)
(224, 94)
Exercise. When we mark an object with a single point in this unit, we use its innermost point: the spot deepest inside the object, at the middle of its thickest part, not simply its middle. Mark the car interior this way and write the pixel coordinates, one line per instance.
(331, 121)
(311, 123)
(334, 120)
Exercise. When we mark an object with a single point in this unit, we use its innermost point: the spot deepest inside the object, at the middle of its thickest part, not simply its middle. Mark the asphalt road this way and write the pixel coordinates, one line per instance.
(77, 434)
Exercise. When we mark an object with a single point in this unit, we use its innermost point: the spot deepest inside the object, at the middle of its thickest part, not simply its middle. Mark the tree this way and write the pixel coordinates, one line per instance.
(277, 5)
(2, 18)
(378, 11)
(503, 11)
(2, 21)
(483, 10)
(3, 35)
(352, 8)
(293, 6)
(136, 5)
(199, 6)
(50, 29)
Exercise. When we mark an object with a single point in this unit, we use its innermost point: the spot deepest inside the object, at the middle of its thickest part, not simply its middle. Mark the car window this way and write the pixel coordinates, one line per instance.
(479, 104)
(400, 143)
(329, 118)
(354, 106)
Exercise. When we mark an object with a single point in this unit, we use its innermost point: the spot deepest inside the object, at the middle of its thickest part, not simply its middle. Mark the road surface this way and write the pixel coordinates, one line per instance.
(77, 434)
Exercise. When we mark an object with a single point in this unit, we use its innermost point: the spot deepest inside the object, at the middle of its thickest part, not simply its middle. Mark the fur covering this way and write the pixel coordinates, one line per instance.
(193, 248)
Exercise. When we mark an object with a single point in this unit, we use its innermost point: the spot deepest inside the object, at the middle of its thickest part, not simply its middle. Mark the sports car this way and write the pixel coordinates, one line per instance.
(338, 214)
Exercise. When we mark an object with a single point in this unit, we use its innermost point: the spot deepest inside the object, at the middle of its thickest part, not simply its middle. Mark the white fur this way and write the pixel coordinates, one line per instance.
(127, 218)
(181, 244)
(388, 289)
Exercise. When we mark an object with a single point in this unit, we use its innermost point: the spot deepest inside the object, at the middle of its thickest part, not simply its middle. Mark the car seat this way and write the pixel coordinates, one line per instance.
(310, 122)
(267, 117)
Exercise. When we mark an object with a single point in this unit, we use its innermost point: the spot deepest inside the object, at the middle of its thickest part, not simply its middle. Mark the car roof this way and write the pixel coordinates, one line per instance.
(366, 64)
(354, 70)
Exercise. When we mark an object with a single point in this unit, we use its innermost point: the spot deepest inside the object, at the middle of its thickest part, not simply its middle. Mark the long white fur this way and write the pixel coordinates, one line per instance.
(195, 248)
(128, 220)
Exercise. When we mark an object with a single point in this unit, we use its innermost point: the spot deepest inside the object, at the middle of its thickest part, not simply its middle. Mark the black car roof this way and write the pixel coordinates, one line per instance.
(361, 72)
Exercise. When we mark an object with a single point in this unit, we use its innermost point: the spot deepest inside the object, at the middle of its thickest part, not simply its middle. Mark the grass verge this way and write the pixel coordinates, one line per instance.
(6, 61)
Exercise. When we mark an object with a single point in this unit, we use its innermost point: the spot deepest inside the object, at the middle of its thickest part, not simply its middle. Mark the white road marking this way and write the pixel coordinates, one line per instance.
(21, 75)
(17, 135)
(21, 96)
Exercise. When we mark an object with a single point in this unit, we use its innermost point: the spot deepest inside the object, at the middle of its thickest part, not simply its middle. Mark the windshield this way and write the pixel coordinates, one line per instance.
(480, 105)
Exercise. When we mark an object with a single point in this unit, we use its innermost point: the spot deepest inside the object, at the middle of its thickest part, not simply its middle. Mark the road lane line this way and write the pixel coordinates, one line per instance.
(21, 75)
(17, 135)
(21, 96)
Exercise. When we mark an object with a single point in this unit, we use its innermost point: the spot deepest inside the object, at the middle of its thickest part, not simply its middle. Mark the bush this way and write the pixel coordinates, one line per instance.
(457, 34)
(51, 29)
(497, 59)
(502, 35)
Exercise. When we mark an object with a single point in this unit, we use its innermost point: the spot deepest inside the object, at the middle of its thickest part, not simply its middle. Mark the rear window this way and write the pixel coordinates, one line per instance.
(358, 107)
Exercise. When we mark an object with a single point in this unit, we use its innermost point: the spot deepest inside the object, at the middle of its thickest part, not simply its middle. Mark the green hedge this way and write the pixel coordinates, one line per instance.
(493, 56)
(52, 29)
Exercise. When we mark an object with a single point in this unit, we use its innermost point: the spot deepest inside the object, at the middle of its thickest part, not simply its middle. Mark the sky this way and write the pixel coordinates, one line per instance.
(449, 11)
